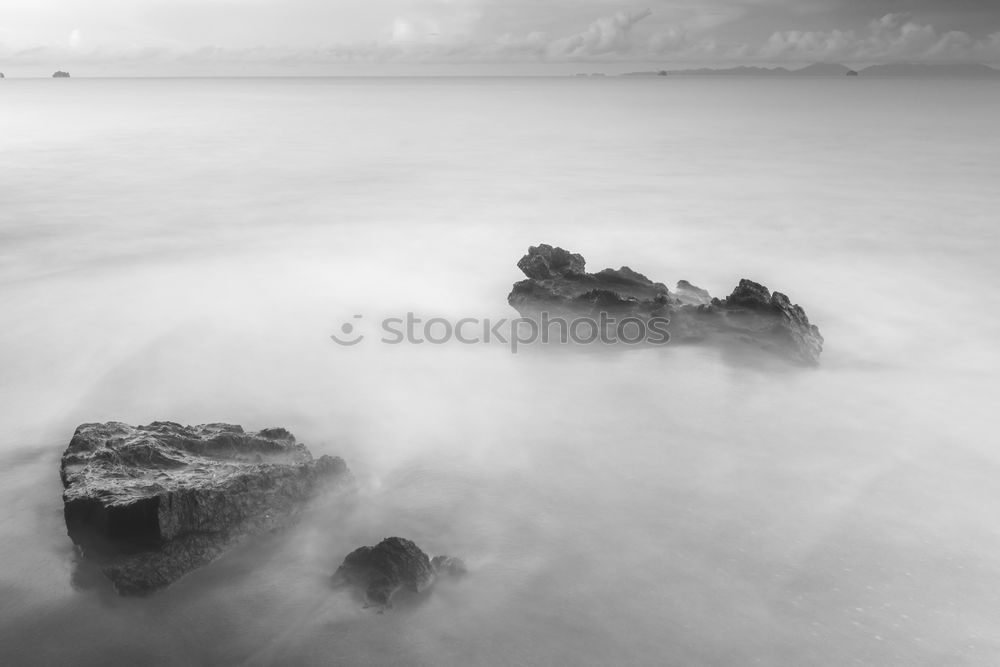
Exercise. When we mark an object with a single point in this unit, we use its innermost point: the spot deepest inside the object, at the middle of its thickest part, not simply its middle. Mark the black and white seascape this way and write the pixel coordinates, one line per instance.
(482, 332)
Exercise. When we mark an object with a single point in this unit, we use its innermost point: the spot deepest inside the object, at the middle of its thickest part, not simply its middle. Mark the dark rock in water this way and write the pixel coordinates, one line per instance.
(149, 504)
(551, 263)
(558, 284)
(60, 75)
(749, 294)
(392, 565)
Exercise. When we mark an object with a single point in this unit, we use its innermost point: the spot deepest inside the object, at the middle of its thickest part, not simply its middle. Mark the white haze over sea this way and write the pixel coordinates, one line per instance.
(182, 249)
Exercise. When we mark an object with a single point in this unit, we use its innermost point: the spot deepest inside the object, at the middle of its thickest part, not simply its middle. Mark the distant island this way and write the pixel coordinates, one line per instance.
(834, 69)
(60, 75)
(905, 69)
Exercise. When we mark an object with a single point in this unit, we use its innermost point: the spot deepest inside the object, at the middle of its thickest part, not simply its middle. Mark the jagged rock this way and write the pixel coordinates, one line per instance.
(559, 285)
(553, 263)
(392, 565)
(60, 75)
(149, 504)
(689, 295)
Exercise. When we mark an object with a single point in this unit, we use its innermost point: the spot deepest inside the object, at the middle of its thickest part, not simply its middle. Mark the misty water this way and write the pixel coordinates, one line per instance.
(182, 250)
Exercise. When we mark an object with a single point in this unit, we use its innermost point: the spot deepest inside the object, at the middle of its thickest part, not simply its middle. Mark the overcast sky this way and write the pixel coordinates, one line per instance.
(516, 36)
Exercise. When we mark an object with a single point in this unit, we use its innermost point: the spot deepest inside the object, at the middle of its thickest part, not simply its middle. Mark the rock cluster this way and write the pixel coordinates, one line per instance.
(392, 565)
(149, 504)
(557, 283)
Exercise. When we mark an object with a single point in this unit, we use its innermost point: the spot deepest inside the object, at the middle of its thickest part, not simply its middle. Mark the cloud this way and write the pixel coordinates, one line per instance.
(610, 39)
(607, 35)
(892, 38)
(405, 40)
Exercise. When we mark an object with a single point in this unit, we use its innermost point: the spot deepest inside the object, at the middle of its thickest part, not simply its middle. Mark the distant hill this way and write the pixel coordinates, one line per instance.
(816, 69)
(821, 69)
(834, 69)
(733, 71)
(911, 69)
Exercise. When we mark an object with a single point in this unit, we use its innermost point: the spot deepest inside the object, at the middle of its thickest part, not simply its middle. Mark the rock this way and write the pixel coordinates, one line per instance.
(559, 285)
(749, 294)
(149, 504)
(449, 565)
(392, 565)
(60, 75)
(1, 75)
(689, 295)
(547, 263)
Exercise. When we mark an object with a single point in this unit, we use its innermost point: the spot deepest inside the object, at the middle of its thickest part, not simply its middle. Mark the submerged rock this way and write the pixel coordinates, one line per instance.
(392, 565)
(149, 504)
(559, 285)
(449, 565)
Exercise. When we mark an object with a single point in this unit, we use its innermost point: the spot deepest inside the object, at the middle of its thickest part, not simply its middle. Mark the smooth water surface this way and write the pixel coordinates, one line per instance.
(182, 249)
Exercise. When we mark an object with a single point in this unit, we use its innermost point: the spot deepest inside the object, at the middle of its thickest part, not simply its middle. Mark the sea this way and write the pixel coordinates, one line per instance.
(183, 250)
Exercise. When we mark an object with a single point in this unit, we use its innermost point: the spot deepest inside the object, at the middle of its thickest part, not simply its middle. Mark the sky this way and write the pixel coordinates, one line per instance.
(497, 36)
